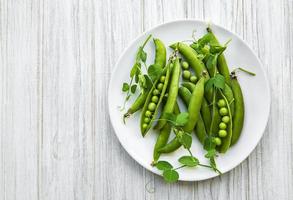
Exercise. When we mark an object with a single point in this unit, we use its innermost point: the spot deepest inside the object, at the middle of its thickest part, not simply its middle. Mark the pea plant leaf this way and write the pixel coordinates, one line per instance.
(182, 119)
(163, 165)
(208, 143)
(143, 55)
(125, 87)
(170, 117)
(170, 176)
(212, 61)
(133, 88)
(218, 81)
(154, 71)
(210, 153)
(189, 161)
(185, 140)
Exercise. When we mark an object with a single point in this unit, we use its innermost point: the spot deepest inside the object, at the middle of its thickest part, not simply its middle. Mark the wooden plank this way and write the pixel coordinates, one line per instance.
(19, 84)
(117, 176)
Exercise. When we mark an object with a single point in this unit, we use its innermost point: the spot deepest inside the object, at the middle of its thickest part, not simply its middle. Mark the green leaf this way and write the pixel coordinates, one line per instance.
(133, 88)
(189, 161)
(170, 176)
(186, 140)
(163, 165)
(134, 70)
(143, 55)
(149, 83)
(209, 144)
(125, 87)
(219, 81)
(211, 153)
(182, 119)
(154, 71)
(212, 61)
(169, 116)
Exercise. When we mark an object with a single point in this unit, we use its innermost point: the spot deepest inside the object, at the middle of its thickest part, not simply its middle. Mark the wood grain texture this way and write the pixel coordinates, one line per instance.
(56, 60)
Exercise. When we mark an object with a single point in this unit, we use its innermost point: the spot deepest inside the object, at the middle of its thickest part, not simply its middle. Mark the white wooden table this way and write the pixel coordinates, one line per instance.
(56, 58)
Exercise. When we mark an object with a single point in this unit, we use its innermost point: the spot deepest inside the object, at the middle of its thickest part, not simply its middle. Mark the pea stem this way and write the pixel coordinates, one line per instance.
(244, 70)
(146, 41)
(180, 167)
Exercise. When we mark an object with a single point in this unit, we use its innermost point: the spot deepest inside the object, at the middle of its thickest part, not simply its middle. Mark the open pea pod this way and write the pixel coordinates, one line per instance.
(151, 107)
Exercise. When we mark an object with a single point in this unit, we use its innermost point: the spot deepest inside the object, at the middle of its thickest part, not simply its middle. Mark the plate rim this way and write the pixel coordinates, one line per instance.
(267, 83)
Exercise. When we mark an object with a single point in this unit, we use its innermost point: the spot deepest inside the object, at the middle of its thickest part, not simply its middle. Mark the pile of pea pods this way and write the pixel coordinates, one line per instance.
(185, 76)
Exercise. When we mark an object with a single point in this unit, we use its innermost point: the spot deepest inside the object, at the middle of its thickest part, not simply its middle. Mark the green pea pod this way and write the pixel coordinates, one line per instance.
(205, 110)
(153, 115)
(137, 105)
(226, 141)
(173, 145)
(238, 118)
(195, 105)
(230, 97)
(172, 93)
(194, 113)
(200, 129)
(160, 60)
(221, 62)
(198, 66)
(163, 137)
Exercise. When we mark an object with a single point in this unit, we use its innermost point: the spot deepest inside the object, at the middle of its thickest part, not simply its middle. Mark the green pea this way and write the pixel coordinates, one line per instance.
(160, 86)
(193, 79)
(155, 99)
(147, 120)
(148, 113)
(222, 133)
(152, 106)
(156, 92)
(223, 111)
(225, 119)
(186, 74)
(185, 65)
(144, 126)
(222, 126)
(162, 79)
(217, 141)
(221, 103)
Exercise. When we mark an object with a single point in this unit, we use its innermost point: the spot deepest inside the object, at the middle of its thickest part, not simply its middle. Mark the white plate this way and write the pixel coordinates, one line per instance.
(255, 90)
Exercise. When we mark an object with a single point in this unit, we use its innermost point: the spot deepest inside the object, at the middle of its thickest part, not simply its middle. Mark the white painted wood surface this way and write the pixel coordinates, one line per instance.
(56, 58)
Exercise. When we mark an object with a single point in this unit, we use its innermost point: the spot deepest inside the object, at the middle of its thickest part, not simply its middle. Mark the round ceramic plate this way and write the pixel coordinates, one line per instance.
(255, 90)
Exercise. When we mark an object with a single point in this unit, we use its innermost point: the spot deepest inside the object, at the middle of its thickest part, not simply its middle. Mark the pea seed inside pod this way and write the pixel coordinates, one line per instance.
(160, 86)
(156, 92)
(147, 120)
(162, 79)
(185, 65)
(222, 126)
(148, 113)
(193, 79)
(222, 133)
(144, 126)
(225, 119)
(223, 111)
(186, 74)
(221, 103)
(152, 106)
(217, 141)
(155, 99)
